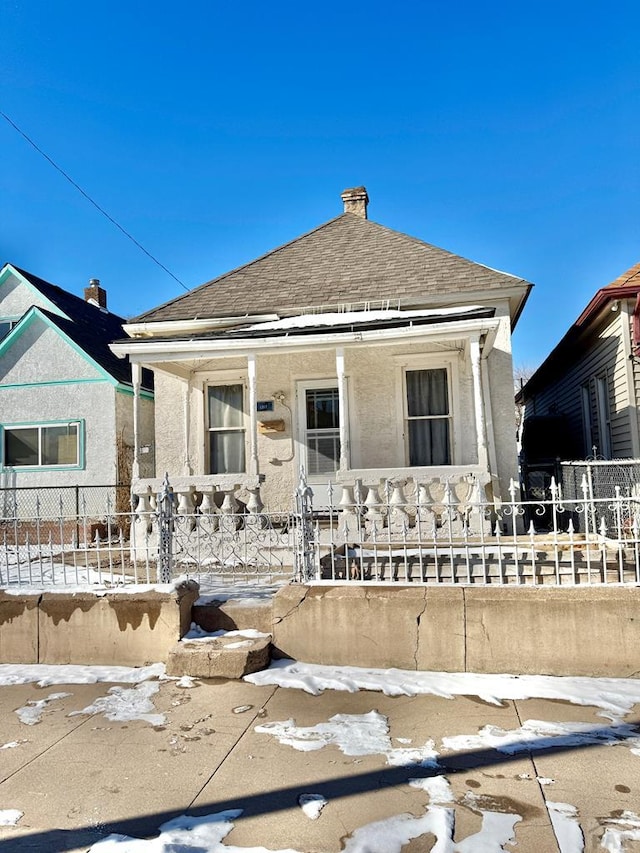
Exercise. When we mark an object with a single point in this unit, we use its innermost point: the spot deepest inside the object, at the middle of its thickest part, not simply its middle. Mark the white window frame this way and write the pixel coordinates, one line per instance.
(425, 361)
(218, 380)
(40, 426)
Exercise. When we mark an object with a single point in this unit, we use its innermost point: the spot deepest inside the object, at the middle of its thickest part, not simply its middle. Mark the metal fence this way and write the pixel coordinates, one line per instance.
(397, 532)
(466, 539)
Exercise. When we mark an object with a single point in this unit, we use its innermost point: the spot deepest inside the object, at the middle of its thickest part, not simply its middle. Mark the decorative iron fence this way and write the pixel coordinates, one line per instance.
(392, 532)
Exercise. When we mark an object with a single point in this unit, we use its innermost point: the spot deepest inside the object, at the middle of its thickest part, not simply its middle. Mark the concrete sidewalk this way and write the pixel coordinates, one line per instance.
(79, 778)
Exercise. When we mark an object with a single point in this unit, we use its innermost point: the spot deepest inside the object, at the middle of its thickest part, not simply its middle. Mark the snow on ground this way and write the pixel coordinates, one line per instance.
(614, 696)
(10, 817)
(196, 634)
(626, 827)
(31, 713)
(125, 704)
(564, 819)
(365, 734)
(312, 805)
(539, 734)
(353, 734)
(44, 675)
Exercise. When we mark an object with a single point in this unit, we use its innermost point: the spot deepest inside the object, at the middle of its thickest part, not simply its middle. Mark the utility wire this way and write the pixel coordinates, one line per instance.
(89, 199)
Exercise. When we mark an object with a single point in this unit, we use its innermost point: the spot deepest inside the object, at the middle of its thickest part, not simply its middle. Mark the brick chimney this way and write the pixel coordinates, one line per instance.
(95, 293)
(356, 201)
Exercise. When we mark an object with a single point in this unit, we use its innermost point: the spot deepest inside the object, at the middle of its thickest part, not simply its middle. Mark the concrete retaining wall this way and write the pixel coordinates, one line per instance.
(579, 631)
(557, 631)
(125, 629)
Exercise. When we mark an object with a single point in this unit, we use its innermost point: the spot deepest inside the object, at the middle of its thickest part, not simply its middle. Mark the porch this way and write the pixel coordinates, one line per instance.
(401, 398)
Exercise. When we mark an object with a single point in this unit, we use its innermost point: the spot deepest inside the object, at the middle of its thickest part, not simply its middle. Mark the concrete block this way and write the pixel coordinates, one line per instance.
(127, 629)
(18, 628)
(234, 615)
(219, 657)
(359, 626)
(593, 631)
(441, 630)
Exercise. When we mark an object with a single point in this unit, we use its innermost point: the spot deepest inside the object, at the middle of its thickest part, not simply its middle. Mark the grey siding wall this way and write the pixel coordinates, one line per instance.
(602, 356)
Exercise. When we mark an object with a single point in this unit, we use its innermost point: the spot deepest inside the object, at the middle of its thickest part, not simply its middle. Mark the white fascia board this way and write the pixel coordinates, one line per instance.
(185, 327)
(150, 351)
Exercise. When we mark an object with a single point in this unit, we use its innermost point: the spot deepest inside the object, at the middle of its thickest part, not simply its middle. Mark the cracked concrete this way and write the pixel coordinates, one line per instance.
(560, 631)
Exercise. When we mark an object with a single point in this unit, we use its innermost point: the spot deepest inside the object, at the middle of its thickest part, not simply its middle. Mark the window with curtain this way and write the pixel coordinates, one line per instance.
(226, 425)
(428, 417)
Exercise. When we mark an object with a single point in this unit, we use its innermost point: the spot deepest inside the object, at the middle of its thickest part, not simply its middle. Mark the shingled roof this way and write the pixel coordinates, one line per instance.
(346, 260)
(89, 326)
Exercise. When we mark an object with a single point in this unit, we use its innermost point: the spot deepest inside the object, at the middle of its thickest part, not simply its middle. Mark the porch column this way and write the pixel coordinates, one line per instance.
(186, 413)
(253, 414)
(136, 374)
(345, 450)
(481, 427)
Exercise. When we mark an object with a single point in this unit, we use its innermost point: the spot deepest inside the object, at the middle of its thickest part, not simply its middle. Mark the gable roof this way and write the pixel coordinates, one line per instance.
(566, 350)
(90, 328)
(346, 260)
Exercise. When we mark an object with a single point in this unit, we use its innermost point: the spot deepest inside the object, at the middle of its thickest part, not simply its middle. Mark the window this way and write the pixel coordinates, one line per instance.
(322, 430)
(42, 445)
(226, 425)
(587, 426)
(604, 420)
(6, 326)
(428, 417)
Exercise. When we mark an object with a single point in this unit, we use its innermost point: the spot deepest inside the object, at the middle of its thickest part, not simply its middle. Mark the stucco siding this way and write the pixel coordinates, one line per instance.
(92, 403)
(125, 436)
(40, 354)
(16, 298)
(374, 380)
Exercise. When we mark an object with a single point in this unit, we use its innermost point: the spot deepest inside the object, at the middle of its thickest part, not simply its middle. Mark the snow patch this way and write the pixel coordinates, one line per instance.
(564, 820)
(126, 704)
(31, 713)
(10, 817)
(353, 734)
(312, 805)
(45, 675)
(615, 697)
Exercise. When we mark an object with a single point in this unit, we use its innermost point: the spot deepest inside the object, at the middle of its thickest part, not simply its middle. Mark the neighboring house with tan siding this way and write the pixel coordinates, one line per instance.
(66, 402)
(355, 352)
(583, 400)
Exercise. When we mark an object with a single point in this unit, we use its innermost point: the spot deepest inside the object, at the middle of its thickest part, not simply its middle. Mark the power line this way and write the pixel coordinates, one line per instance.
(89, 199)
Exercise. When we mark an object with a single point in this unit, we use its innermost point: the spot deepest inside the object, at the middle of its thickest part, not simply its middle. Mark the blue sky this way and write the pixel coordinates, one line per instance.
(213, 132)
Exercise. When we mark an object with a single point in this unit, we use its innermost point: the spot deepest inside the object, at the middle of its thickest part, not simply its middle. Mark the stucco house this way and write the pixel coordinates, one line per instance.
(66, 402)
(355, 352)
(583, 399)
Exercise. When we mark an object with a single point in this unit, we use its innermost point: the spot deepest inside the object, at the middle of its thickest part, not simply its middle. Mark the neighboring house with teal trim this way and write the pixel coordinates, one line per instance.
(66, 402)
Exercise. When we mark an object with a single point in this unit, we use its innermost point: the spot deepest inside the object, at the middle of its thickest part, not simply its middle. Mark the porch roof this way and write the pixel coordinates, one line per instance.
(306, 325)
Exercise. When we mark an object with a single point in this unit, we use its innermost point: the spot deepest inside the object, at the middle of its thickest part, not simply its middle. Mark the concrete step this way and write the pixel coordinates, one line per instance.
(227, 656)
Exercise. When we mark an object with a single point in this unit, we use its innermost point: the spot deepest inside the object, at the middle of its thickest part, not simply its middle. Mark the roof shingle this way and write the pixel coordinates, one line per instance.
(348, 259)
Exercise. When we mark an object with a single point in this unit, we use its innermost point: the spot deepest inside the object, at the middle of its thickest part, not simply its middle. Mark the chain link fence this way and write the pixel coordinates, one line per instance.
(24, 502)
